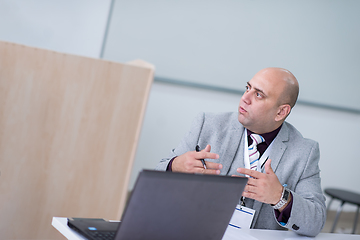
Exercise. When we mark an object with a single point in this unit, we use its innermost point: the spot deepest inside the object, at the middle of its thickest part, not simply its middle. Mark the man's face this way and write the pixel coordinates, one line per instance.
(259, 106)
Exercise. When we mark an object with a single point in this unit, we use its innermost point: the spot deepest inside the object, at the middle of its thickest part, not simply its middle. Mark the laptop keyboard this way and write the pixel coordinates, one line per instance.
(102, 235)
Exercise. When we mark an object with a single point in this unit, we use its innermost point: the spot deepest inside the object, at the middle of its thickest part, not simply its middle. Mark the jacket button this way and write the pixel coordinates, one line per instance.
(295, 227)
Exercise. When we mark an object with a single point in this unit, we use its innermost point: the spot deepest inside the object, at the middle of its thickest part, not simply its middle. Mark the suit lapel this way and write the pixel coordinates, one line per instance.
(230, 148)
(279, 146)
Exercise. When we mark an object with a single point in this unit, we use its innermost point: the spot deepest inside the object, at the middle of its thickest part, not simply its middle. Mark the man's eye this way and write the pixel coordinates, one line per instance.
(247, 88)
(258, 95)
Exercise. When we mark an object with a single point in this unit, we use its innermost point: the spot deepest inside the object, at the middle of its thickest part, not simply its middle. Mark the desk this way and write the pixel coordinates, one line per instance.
(231, 233)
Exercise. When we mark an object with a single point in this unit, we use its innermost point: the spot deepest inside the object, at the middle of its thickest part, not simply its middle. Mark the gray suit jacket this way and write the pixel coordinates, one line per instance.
(294, 161)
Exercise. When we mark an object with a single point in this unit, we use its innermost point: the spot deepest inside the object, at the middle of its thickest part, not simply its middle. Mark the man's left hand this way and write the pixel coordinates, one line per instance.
(263, 187)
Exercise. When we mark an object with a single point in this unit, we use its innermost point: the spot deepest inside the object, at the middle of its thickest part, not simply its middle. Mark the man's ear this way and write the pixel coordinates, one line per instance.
(283, 112)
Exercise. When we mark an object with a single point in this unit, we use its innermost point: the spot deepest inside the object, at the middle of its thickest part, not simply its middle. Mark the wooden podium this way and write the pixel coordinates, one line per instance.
(69, 128)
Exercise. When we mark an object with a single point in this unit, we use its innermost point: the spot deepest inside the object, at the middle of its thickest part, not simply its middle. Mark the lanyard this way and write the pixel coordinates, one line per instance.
(263, 158)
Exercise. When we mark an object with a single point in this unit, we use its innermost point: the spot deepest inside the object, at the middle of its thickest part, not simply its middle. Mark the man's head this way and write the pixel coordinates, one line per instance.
(268, 100)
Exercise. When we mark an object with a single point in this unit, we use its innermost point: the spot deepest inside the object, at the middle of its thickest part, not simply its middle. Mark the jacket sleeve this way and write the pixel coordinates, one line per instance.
(308, 213)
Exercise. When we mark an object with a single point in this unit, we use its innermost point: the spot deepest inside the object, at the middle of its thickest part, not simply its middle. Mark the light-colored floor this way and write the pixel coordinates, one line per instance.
(345, 223)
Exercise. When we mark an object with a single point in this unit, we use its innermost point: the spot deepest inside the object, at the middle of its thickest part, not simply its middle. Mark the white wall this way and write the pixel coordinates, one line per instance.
(185, 40)
(69, 26)
(171, 109)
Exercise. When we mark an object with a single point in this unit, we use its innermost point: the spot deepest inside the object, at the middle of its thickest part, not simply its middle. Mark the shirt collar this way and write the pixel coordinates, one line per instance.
(269, 137)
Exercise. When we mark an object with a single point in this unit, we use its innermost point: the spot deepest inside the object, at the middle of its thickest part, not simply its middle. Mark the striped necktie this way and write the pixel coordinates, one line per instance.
(253, 152)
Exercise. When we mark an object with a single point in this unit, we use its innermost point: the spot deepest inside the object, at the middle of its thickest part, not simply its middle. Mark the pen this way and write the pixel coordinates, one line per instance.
(197, 148)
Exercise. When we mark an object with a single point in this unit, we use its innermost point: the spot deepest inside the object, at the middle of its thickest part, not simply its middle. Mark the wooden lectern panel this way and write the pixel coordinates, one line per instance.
(69, 127)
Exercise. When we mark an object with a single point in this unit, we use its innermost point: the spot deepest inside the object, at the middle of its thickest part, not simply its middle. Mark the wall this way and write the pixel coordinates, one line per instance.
(69, 26)
(186, 40)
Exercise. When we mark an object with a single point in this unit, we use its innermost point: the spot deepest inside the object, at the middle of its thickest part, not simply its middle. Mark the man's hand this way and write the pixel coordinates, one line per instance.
(190, 162)
(263, 187)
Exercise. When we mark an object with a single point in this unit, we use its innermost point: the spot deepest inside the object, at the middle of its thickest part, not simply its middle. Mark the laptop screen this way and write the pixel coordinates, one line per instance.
(167, 205)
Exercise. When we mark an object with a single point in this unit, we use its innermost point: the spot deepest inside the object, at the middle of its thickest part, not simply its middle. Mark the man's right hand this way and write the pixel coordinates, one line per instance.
(189, 162)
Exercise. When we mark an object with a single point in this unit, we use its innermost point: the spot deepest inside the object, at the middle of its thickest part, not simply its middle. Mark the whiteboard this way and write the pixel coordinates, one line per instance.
(224, 43)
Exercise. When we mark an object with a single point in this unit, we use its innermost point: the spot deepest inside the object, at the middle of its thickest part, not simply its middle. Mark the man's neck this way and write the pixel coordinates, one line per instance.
(269, 136)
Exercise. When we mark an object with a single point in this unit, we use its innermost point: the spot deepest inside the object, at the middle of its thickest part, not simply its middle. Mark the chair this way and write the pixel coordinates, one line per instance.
(345, 197)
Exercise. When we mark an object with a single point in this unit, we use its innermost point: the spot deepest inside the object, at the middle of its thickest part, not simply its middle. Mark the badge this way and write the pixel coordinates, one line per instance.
(242, 217)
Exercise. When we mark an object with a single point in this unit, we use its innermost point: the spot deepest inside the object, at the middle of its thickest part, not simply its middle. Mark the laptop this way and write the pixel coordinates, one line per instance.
(168, 205)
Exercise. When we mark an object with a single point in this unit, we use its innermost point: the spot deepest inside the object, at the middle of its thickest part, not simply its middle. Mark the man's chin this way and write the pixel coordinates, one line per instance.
(242, 119)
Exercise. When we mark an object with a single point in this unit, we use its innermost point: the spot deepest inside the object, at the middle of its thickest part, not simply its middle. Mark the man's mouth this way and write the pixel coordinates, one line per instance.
(242, 110)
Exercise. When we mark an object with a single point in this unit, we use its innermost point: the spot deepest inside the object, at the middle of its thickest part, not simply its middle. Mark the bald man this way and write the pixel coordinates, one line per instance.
(284, 177)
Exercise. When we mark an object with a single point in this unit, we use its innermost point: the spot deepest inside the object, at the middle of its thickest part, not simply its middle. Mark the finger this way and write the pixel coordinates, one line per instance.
(197, 164)
(207, 148)
(203, 155)
(212, 171)
(268, 168)
(252, 181)
(211, 165)
(251, 173)
(250, 189)
(248, 195)
(206, 171)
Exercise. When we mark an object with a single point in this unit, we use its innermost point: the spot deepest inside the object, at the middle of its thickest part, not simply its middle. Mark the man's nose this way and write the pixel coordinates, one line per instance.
(246, 97)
